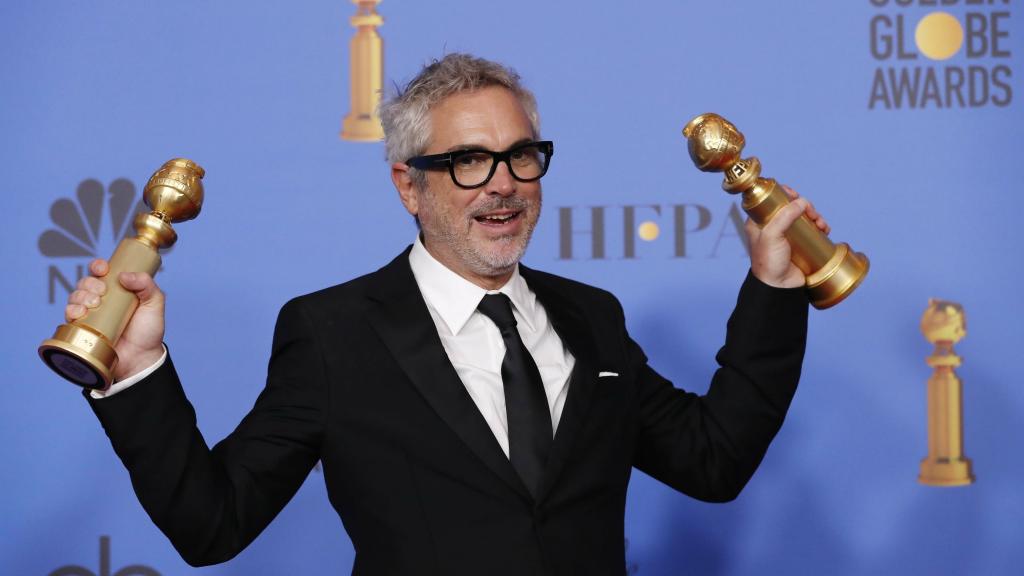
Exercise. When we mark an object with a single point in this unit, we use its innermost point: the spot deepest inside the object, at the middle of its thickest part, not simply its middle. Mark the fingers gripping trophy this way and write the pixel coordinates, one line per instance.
(82, 351)
(832, 271)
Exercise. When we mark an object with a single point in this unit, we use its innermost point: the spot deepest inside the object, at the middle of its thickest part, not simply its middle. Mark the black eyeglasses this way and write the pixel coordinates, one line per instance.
(474, 168)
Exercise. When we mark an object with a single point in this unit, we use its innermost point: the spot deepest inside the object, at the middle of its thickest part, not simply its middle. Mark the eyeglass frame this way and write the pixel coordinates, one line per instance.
(439, 161)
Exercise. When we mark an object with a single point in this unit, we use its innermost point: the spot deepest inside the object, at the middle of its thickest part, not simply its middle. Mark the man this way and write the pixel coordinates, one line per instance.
(473, 416)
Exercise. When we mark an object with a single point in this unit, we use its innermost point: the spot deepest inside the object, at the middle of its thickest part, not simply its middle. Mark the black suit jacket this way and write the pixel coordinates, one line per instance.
(358, 379)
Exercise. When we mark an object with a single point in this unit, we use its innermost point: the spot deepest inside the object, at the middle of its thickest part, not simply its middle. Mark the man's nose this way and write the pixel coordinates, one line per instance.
(502, 183)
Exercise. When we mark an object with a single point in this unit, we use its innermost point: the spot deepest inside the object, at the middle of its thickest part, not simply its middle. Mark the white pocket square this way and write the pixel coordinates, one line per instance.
(606, 374)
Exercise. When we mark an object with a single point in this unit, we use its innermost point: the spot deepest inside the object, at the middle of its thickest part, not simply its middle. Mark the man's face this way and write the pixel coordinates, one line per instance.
(479, 233)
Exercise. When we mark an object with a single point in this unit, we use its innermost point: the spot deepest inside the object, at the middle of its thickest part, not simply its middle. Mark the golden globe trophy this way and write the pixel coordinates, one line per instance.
(366, 75)
(944, 324)
(832, 271)
(83, 351)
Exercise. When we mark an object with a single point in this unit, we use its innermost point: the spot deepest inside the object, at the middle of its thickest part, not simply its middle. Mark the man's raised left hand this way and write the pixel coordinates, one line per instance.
(770, 252)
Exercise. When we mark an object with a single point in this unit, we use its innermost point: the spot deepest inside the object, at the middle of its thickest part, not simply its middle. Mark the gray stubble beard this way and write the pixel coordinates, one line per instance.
(479, 262)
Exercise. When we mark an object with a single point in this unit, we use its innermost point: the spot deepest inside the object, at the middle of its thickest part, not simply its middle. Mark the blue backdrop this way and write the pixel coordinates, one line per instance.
(914, 161)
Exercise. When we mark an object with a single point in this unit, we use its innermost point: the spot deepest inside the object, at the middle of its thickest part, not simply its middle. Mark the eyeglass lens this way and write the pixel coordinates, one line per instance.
(472, 168)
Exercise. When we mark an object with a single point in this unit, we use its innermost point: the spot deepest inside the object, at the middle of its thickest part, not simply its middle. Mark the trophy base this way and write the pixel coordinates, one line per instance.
(80, 356)
(361, 128)
(943, 472)
(838, 278)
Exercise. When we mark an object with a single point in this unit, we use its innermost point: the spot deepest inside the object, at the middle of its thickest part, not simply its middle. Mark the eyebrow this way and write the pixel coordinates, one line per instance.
(459, 147)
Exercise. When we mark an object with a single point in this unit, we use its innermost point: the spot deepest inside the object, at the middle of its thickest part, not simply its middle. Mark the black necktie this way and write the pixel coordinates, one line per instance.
(526, 404)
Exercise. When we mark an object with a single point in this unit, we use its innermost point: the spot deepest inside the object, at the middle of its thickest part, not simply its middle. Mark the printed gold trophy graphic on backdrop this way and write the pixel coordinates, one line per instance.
(832, 271)
(944, 324)
(366, 75)
(83, 351)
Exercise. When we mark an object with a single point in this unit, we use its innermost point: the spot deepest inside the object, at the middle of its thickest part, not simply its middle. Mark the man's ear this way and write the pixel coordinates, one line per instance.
(406, 188)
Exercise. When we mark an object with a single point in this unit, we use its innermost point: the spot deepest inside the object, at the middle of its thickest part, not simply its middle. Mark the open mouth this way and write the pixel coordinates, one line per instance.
(499, 218)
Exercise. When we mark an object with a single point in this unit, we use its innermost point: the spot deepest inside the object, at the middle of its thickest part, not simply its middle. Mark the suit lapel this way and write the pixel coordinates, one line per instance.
(576, 333)
(404, 324)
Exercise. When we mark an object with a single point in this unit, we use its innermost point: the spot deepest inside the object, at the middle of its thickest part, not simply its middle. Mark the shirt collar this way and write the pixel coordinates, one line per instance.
(455, 298)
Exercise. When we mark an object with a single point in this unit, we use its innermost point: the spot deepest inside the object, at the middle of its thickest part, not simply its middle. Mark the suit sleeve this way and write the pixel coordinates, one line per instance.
(709, 446)
(212, 503)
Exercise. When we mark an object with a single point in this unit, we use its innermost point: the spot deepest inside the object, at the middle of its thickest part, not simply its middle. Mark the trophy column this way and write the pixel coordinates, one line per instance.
(944, 324)
(366, 75)
(83, 351)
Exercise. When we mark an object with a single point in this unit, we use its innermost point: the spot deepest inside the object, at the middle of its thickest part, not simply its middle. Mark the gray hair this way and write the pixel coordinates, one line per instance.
(406, 116)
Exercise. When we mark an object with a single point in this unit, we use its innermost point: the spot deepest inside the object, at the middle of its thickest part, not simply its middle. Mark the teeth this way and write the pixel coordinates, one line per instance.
(501, 218)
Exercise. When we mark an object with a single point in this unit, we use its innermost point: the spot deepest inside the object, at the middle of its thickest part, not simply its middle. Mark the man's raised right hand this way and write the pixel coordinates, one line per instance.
(141, 344)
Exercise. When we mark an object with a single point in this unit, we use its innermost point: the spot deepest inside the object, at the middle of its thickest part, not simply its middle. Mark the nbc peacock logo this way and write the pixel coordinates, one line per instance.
(104, 567)
(90, 225)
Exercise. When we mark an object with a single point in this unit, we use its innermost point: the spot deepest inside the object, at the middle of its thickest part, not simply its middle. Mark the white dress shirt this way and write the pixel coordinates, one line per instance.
(472, 341)
(474, 344)
(123, 384)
